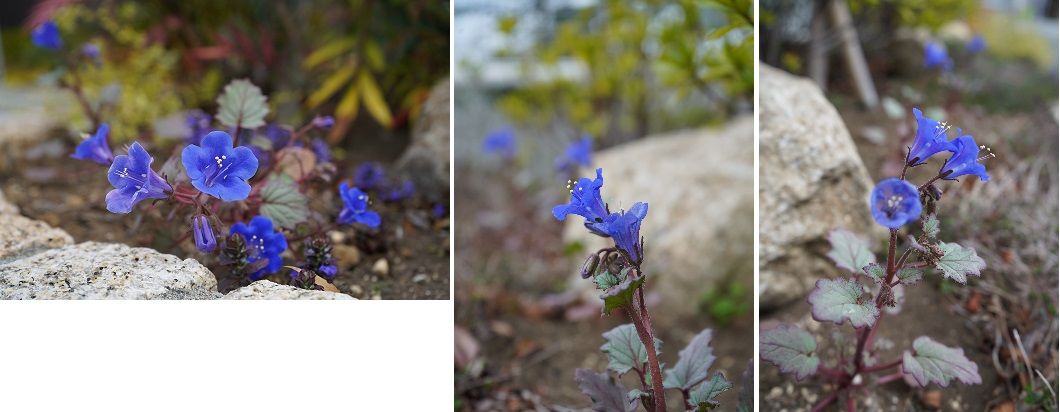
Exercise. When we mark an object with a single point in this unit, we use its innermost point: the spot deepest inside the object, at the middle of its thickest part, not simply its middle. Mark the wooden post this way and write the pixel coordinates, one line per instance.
(848, 38)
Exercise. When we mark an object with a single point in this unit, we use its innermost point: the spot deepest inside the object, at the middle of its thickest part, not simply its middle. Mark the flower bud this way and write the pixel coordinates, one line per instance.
(589, 267)
(204, 236)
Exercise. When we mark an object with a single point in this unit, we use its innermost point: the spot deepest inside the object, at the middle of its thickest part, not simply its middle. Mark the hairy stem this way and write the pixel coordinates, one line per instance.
(866, 336)
(647, 339)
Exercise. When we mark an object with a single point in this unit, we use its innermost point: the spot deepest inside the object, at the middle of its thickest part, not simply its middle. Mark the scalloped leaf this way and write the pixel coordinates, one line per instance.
(283, 203)
(931, 361)
(841, 299)
(624, 349)
(791, 349)
(958, 261)
(910, 276)
(607, 395)
(849, 251)
(692, 364)
(621, 294)
(242, 105)
(875, 272)
(931, 226)
(745, 400)
(702, 398)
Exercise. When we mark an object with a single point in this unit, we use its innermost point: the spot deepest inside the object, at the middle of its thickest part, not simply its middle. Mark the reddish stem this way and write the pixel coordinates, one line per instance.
(825, 402)
(877, 368)
(658, 396)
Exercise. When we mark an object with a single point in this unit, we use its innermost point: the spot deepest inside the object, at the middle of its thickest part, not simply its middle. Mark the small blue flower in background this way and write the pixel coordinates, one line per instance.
(936, 57)
(91, 51)
(328, 271)
(321, 149)
(976, 44)
(400, 192)
(930, 139)
(355, 207)
(323, 122)
(46, 36)
(965, 160)
(278, 135)
(439, 211)
(263, 242)
(501, 142)
(133, 180)
(198, 126)
(585, 201)
(218, 169)
(894, 202)
(368, 176)
(95, 148)
(578, 153)
(205, 240)
(624, 228)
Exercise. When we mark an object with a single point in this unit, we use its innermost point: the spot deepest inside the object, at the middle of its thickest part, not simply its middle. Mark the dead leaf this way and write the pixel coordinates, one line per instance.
(465, 347)
(932, 398)
(328, 286)
(296, 162)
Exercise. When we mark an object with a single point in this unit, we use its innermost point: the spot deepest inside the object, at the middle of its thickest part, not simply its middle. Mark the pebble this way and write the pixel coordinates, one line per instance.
(356, 290)
(347, 256)
(420, 278)
(337, 237)
(381, 267)
(377, 297)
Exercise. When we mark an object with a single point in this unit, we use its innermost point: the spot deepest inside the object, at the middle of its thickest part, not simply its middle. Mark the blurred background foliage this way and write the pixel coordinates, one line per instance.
(359, 56)
(620, 70)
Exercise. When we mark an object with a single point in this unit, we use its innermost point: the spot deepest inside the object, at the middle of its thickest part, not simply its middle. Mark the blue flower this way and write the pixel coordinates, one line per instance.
(133, 180)
(400, 192)
(47, 36)
(585, 201)
(579, 153)
(328, 271)
(976, 44)
(278, 135)
(198, 126)
(438, 211)
(894, 202)
(936, 57)
(624, 228)
(218, 169)
(368, 176)
(502, 142)
(263, 242)
(91, 51)
(321, 149)
(930, 139)
(355, 207)
(965, 161)
(95, 148)
(205, 240)
(323, 122)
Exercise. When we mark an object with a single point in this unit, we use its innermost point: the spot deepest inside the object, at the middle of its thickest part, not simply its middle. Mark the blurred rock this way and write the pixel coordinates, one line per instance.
(28, 116)
(20, 236)
(811, 181)
(347, 256)
(700, 225)
(5, 206)
(426, 161)
(269, 290)
(94, 270)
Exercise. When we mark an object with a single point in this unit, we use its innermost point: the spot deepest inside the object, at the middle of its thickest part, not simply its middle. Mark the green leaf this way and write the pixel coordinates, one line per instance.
(702, 398)
(242, 104)
(841, 299)
(607, 396)
(849, 251)
(910, 276)
(329, 51)
(606, 280)
(958, 261)
(331, 85)
(791, 349)
(875, 272)
(373, 99)
(624, 349)
(931, 361)
(621, 294)
(692, 363)
(283, 203)
(931, 226)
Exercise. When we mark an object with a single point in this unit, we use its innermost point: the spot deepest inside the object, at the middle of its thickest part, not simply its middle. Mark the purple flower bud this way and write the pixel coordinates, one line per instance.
(204, 236)
(323, 122)
(90, 50)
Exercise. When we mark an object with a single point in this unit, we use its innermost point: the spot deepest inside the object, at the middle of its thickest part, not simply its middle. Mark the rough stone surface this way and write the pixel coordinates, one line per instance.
(811, 181)
(700, 225)
(20, 236)
(94, 270)
(426, 161)
(5, 206)
(269, 290)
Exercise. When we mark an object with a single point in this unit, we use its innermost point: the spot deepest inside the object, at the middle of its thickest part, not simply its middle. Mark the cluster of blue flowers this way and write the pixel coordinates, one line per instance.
(937, 57)
(370, 176)
(502, 142)
(895, 202)
(622, 226)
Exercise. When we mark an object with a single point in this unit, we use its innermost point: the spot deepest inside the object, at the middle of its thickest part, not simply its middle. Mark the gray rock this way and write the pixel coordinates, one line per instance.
(811, 181)
(5, 206)
(29, 115)
(700, 225)
(20, 236)
(426, 161)
(94, 270)
(269, 290)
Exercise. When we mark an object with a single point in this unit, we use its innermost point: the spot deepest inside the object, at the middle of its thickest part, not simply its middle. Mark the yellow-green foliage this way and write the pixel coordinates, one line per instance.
(141, 74)
(650, 66)
(1008, 37)
(919, 13)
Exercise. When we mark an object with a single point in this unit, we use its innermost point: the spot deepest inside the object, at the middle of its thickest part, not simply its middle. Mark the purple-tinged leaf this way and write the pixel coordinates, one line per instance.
(909, 276)
(702, 398)
(692, 363)
(791, 349)
(745, 400)
(931, 226)
(931, 361)
(621, 294)
(625, 350)
(958, 261)
(849, 251)
(875, 272)
(607, 396)
(841, 299)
